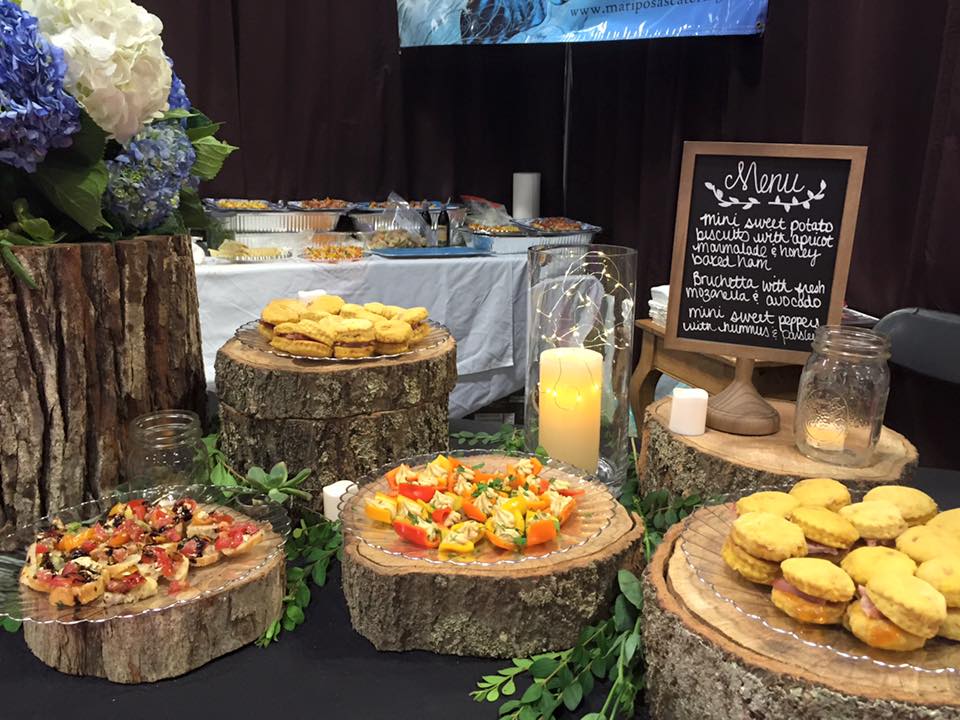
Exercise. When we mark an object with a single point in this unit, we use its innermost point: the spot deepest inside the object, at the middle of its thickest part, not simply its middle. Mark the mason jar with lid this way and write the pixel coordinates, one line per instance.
(166, 448)
(843, 395)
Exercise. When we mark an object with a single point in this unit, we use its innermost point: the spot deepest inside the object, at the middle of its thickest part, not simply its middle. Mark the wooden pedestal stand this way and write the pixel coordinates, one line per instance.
(499, 610)
(706, 659)
(342, 420)
(112, 332)
(172, 641)
(739, 409)
(717, 462)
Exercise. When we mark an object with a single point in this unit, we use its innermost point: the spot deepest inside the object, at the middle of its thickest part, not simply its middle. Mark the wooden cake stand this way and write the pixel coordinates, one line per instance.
(716, 462)
(707, 659)
(341, 419)
(500, 610)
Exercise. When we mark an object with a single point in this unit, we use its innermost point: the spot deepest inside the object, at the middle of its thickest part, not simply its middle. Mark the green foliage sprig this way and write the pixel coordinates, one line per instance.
(309, 551)
(276, 484)
(508, 438)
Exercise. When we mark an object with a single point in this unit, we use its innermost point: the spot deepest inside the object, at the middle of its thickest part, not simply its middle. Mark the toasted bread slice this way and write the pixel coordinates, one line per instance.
(147, 588)
(78, 594)
(28, 577)
(248, 542)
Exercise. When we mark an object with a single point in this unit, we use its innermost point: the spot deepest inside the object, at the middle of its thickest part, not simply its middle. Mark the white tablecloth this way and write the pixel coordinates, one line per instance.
(482, 300)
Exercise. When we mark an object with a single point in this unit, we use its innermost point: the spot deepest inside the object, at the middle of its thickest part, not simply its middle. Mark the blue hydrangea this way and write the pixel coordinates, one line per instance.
(145, 179)
(178, 99)
(36, 113)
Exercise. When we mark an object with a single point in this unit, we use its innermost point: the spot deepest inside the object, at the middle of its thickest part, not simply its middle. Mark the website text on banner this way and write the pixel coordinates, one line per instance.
(469, 22)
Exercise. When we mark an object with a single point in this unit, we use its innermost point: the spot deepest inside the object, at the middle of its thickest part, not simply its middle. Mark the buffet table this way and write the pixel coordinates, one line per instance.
(482, 301)
(323, 668)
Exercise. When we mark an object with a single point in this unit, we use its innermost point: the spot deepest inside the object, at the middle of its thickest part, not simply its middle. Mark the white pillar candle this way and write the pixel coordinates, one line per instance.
(688, 411)
(526, 195)
(571, 386)
(331, 498)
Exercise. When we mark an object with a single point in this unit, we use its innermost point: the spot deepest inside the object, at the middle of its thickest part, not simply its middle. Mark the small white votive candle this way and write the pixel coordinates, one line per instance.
(688, 411)
(332, 494)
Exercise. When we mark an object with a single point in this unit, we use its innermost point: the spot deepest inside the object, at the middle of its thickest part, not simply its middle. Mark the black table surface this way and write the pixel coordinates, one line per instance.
(323, 669)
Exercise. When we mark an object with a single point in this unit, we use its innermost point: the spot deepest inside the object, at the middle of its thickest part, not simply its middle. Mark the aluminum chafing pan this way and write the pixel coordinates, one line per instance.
(583, 235)
(282, 221)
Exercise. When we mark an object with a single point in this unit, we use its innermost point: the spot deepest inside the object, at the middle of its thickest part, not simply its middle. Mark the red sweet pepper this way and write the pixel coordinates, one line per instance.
(417, 492)
(415, 534)
(440, 514)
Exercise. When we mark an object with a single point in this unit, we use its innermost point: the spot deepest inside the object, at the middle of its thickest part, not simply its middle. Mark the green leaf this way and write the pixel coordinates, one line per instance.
(89, 142)
(279, 472)
(202, 131)
(289, 624)
(509, 707)
(527, 712)
(572, 695)
(670, 517)
(630, 646)
(211, 154)
(278, 496)
(493, 695)
(295, 574)
(295, 614)
(523, 663)
(319, 574)
(191, 209)
(39, 230)
(586, 683)
(14, 264)
(75, 190)
(543, 667)
(298, 479)
(10, 625)
(303, 596)
(222, 477)
(623, 617)
(593, 716)
(178, 114)
(258, 478)
(548, 704)
(630, 587)
(509, 687)
(599, 668)
(532, 694)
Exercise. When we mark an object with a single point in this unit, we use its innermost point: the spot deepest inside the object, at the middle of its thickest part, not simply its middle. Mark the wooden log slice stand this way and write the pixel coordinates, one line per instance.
(501, 611)
(706, 659)
(172, 641)
(342, 420)
(715, 463)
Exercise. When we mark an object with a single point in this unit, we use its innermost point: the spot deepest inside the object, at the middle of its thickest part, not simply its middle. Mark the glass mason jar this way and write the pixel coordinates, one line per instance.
(166, 448)
(579, 356)
(842, 396)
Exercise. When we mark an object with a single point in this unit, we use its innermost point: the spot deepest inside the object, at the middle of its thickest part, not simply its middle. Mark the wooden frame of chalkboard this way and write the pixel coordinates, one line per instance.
(764, 153)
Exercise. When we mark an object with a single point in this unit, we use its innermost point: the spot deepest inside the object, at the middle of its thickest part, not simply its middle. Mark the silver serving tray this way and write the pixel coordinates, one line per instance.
(282, 221)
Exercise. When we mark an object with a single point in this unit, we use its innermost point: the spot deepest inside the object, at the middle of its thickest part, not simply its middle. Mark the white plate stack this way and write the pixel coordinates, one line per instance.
(659, 296)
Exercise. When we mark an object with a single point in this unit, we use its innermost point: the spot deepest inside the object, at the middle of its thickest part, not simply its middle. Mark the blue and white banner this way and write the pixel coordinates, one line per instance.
(469, 22)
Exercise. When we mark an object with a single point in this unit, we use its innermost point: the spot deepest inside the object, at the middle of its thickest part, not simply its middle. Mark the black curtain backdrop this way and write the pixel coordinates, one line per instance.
(321, 101)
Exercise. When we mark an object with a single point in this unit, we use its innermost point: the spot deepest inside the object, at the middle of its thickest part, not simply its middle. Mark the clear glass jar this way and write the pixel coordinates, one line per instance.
(842, 396)
(579, 356)
(166, 448)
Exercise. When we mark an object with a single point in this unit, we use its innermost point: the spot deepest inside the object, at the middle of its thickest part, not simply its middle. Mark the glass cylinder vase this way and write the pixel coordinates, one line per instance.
(166, 448)
(579, 356)
(842, 396)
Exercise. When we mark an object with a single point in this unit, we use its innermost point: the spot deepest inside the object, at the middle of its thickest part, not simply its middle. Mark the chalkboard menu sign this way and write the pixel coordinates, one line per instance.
(762, 246)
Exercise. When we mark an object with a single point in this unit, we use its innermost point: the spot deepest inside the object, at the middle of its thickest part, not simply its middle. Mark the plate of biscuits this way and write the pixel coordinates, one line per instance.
(331, 329)
(875, 580)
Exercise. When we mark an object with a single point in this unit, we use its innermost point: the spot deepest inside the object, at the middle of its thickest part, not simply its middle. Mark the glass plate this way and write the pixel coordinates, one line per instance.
(593, 513)
(21, 603)
(249, 335)
(701, 541)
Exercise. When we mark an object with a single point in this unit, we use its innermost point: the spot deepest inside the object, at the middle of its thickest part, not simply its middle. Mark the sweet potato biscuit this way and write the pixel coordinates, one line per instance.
(752, 568)
(391, 337)
(390, 312)
(771, 501)
(414, 316)
(805, 611)
(865, 562)
(819, 578)
(943, 573)
(879, 632)
(875, 520)
(327, 303)
(948, 520)
(376, 308)
(768, 536)
(283, 311)
(924, 543)
(950, 627)
(909, 602)
(824, 526)
(821, 491)
(307, 338)
(916, 507)
(353, 338)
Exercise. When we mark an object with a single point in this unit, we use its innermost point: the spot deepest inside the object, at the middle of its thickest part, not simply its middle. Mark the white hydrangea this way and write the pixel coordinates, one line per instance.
(116, 67)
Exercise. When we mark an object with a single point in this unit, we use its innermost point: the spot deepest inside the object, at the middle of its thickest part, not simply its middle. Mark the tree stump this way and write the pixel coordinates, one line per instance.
(342, 420)
(173, 639)
(716, 463)
(113, 332)
(499, 610)
(706, 659)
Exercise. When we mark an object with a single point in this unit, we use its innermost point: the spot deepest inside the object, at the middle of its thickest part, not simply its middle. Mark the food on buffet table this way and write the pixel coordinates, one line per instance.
(771, 501)
(893, 599)
(125, 555)
(306, 337)
(916, 506)
(330, 304)
(359, 312)
(332, 253)
(391, 337)
(452, 507)
(496, 229)
(285, 310)
(556, 224)
(812, 590)
(352, 337)
(398, 238)
(416, 318)
(233, 251)
(877, 521)
(230, 204)
(326, 203)
(821, 491)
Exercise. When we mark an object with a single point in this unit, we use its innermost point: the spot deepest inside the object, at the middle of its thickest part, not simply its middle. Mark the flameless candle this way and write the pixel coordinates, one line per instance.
(688, 411)
(331, 498)
(571, 381)
(826, 436)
